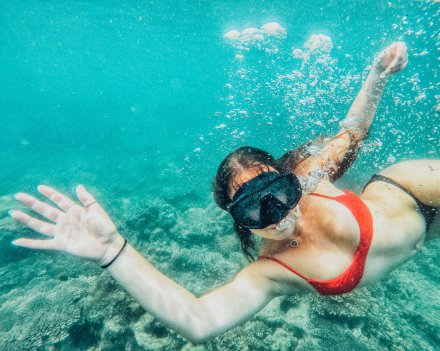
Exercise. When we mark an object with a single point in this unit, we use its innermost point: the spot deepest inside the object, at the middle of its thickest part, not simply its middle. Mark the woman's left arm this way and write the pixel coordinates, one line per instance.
(339, 153)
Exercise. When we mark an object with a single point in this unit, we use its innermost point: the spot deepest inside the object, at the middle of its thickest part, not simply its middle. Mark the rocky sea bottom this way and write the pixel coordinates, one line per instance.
(51, 301)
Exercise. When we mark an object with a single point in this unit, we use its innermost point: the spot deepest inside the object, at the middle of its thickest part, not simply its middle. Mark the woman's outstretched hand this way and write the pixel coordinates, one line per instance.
(393, 59)
(84, 230)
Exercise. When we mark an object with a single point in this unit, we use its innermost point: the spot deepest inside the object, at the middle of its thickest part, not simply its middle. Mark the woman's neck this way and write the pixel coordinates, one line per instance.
(309, 232)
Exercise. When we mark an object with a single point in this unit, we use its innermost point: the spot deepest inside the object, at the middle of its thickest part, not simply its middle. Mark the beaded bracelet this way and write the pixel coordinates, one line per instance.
(114, 258)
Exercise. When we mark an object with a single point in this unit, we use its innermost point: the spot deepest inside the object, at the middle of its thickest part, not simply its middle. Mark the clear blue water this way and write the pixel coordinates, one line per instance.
(141, 100)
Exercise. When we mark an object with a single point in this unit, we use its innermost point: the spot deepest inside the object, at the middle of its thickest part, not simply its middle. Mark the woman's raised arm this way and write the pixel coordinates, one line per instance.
(336, 156)
(87, 231)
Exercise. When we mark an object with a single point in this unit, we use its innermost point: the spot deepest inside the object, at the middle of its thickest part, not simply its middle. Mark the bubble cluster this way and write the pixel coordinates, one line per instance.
(252, 35)
(280, 94)
(319, 42)
(269, 84)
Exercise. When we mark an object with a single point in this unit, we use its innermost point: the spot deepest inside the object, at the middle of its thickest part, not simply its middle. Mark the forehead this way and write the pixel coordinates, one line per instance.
(246, 175)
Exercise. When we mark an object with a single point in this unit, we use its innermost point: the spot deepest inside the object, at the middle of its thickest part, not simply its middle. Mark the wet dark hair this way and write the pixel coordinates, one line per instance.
(248, 157)
(243, 158)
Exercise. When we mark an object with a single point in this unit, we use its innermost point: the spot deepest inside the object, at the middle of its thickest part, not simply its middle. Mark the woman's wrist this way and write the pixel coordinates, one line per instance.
(113, 251)
(378, 67)
(378, 72)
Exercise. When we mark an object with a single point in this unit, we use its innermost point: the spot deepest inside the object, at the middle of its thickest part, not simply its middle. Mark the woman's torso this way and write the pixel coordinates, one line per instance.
(329, 237)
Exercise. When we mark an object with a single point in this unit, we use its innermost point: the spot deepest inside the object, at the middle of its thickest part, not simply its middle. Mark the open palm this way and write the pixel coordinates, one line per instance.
(84, 231)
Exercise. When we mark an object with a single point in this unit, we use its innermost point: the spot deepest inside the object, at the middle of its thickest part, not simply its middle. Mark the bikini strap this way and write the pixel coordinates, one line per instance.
(328, 196)
(286, 266)
(429, 212)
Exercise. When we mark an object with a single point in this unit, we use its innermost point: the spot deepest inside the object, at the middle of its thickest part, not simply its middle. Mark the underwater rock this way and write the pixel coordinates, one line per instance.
(150, 334)
(41, 315)
(148, 215)
(280, 340)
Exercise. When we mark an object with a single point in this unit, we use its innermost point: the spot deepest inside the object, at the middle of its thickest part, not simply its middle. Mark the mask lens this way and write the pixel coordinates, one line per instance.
(259, 209)
(285, 191)
(272, 210)
(247, 211)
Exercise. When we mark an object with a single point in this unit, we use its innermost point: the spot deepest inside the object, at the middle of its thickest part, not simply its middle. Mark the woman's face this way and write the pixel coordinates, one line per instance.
(270, 232)
(273, 232)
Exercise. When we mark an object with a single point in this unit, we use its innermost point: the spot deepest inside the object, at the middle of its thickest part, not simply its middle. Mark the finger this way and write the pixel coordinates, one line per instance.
(404, 64)
(404, 56)
(33, 223)
(399, 50)
(61, 200)
(391, 66)
(36, 244)
(402, 45)
(395, 70)
(84, 196)
(40, 207)
(404, 50)
(382, 54)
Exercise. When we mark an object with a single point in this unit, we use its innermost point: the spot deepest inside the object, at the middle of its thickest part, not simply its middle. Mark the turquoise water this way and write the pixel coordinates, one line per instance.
(140, 101)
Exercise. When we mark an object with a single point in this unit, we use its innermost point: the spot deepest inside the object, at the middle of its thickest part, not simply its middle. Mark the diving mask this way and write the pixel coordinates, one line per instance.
(265, 200)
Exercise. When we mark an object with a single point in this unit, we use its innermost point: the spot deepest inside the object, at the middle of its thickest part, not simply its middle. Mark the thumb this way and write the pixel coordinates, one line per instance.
(391, 66)
(84, 196)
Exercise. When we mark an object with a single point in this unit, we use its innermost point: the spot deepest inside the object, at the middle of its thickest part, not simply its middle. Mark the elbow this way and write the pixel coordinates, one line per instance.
(202, 331)
(198, 338)
(199, 325)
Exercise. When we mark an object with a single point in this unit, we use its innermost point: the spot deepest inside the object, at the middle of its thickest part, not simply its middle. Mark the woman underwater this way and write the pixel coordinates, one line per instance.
(317, 239)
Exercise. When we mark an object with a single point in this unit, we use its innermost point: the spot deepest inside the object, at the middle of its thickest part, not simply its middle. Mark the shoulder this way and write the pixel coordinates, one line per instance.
(270, 275)
(317, 184)
(326, 187)
(293, 158)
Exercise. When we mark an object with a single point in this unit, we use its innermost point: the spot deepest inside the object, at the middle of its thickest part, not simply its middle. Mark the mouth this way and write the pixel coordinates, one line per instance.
(285, 223)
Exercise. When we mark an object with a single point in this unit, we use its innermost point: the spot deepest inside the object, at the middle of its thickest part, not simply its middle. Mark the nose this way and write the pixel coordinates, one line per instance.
(272, 209)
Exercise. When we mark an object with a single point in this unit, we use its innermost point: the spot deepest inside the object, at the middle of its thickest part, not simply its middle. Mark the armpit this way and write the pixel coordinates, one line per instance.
(343, 156)
(292, 159)
(353, 126)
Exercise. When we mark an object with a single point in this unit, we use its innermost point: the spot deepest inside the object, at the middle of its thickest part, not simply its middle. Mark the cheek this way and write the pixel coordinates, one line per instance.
(258, 232)
(264, 233)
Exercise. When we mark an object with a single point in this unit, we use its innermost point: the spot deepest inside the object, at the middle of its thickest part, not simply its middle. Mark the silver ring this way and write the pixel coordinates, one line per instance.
(68, 208)
(90, 203)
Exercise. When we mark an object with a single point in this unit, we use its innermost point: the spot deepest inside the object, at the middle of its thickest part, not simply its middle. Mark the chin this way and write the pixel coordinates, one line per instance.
(273, 234)
(286, 233)
(283, 235)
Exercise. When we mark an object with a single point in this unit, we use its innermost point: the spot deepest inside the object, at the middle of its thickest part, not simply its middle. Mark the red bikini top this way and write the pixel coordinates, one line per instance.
(350, 278)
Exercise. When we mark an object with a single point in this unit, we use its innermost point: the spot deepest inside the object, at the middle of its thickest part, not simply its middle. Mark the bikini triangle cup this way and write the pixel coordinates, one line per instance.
(352, 275)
